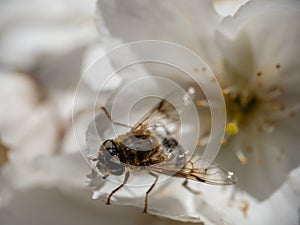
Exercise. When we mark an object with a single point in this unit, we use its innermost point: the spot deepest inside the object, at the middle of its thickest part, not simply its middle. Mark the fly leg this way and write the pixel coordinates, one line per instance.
(105, 176)
(149, 190)
(111, 120)
(95, 174)
(118, 188)
(185, 184)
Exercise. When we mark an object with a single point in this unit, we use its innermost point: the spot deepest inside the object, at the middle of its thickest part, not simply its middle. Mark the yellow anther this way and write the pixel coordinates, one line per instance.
(244, 160)
(224, 92)
(245, 208)
(232, 128)
(224, 141)
(202, 103)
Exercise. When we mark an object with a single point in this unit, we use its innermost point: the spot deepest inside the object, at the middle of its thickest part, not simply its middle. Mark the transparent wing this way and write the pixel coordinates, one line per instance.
(213, 174)
(166, 113)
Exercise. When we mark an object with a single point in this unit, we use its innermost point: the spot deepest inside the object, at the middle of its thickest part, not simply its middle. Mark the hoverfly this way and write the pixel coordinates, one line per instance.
(150, 146)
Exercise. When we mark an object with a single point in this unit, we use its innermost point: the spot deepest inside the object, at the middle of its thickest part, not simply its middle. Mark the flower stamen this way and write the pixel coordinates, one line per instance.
(245, 208)
(202, 103)
(228, 90)
(266, 125)
(286, 112)
(232, 128)
(241, 156)
(273, 94)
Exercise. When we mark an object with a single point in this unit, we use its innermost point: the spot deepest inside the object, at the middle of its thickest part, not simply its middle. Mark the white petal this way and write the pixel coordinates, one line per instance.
(96, 60)
(259, 40)
(190, 24)
(286, 134)
(228, 7)
(74, 136)
(170, 200)
(238, 61)
(271, 42)
(255, 9)
(283, 206)
(276, 153)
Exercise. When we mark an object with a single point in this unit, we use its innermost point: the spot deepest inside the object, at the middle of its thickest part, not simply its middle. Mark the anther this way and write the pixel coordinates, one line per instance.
(232, 128)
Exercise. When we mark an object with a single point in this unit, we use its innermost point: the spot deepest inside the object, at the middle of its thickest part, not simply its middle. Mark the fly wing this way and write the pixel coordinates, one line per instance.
(166, 114)
(213, 174)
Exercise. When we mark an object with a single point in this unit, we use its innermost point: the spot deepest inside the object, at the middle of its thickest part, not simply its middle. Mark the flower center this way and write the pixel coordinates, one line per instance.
(257, 112)
(251, 110)
(240, 110)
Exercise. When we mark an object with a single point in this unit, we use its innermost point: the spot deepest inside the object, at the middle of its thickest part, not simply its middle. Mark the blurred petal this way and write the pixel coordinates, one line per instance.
(23, 96)
(28, 33)
(28, 128)
(36, 136)
(65, 171)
